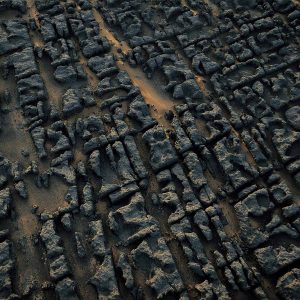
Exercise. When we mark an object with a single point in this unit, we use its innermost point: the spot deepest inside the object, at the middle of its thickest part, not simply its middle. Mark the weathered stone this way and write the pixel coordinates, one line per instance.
(21, 189)
(138, 223)
(105, 282)
(51, 240)
(24, 63)
(162, 153)
(94, 162)
(103, 66)
(202, 222)
(122, 163)
(139, 111)
(274, 259)
(38, 136)
(124, 191)
(150, 257)
(258, 203)
(5, 202)
(124, 265)
(74, 100)
(66, 289)
(135, 157)
(67, 222)
(195, 174)
(59, 268)
(292, 116)
(88, 207)
(31, 90)
(65, 74)
(291, 210)
(288, 285)
(97, 241)
(15, 36)
(66, 172)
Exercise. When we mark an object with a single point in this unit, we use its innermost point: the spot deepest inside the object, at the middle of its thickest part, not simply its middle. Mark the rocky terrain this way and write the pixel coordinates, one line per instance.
(149, 149)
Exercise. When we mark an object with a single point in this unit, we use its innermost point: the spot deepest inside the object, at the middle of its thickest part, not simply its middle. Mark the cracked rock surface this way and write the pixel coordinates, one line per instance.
(149, 149)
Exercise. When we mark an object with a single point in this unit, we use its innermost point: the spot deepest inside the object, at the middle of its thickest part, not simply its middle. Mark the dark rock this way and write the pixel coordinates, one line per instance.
(19, 5)
(189, 124)
(67, 222)
(123, 264)
(5, 202)
(230, 278)
(189, 89)
(15, 36)
(151, 257)
(104, 280)
(51, 240)
(123, 192)
(281, 193)
(94, 162)
(5, 170)
(4, 233)
(182, 143)
(209, 290)
(293, 117)
(47, 30)
(138, 110)
(65, 74)
(21, 189)
(134, 157)
(258, 203)
(74, 100)
(283, 140)
(81, 169)
(24, 63)
(38, 136)
(123, 165)
(285, 229)
(61, 26)
(59, 268)
(45, 5)
(98, 241)
(240, 275)
(276, 221)
(65, 157)
(288, 285)
(103, 66)
(66, 172)
(291, 210)
(220, 260)
(201, 61)
(162, 153)
(95, 46)
(17, 171)
(106, 189)
(72, 196)
(195, 169)
(66, 289)
(234, 162)
(202, 222)
(6, 265)
(119, 81)
(138, 223)
(164, 176)
(272, 259)
(31, 90)
(88, 207)
(252, 236)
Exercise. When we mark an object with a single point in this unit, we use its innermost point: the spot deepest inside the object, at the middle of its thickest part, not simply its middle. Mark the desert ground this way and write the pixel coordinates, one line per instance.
(149, 149)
